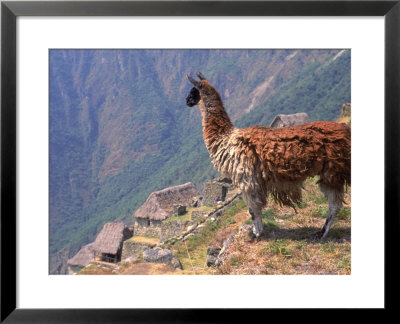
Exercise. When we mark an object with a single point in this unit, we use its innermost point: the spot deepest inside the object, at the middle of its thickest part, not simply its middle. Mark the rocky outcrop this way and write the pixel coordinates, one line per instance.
(216, 250)
(159, 255)
(219, 244)
(212, 255)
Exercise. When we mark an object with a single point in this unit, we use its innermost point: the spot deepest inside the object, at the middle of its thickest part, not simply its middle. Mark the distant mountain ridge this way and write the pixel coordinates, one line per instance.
(119, 127)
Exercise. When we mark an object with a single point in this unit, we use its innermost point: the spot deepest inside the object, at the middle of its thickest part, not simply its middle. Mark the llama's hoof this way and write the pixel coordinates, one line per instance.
(254, 237)
(257, 227)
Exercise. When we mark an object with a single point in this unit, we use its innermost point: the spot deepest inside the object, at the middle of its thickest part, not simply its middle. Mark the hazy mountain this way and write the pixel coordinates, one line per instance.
(120, 129)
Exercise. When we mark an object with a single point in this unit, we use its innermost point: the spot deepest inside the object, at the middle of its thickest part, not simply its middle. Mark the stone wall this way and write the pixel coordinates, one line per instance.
(146, 227)
(198, 214)
(216, 188)
(172, 229)
(131, 248)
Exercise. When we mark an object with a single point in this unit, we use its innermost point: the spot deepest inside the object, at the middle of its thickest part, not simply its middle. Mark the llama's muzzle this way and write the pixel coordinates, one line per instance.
(193, 98)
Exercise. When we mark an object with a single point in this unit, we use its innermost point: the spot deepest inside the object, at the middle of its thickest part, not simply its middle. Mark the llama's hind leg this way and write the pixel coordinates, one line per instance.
(335, 199)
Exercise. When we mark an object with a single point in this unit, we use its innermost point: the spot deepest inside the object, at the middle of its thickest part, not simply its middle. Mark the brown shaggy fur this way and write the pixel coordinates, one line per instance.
(276, 161)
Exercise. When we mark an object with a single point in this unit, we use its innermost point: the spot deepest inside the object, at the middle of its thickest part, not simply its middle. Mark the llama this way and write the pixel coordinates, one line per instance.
(262, 160)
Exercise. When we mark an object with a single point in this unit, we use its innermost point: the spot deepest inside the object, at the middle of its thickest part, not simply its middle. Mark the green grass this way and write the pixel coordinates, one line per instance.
(268, 219)
(320, 211)
(280, 247)
(319, 199)
(302, 205)
(344, 213)
(301, 245)
(344, 262)
(188, 215)
(176, 218)
(236, 261)
(144, 239)
(193, 251)
(290, 244)
(235, 208)
(328, 247)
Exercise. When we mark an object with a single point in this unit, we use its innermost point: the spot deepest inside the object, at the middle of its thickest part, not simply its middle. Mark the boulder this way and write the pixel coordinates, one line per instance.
(212, 255)
(218, 245)
(158, 255)
(176, 263)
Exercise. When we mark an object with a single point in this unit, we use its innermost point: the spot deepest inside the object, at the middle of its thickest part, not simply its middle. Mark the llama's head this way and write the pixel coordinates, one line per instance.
(193, 97)
(202, 90)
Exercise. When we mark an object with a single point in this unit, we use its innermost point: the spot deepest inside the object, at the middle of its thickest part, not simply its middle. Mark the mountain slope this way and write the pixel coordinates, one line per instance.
(319, 89)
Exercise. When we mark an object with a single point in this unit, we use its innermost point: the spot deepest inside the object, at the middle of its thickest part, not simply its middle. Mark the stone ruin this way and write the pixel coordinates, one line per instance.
(214, 189)
(161, 205)
(179, 210)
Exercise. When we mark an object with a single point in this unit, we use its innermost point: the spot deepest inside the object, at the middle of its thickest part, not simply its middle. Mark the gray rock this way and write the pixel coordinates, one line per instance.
(212, 256)
(158, 255)
(187, 236)
(176, 263)
(213, 251)
(228, 242)
(211, 260)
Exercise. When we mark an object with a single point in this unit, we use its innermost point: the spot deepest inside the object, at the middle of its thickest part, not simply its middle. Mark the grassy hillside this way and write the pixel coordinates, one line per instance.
(289, 244)
(120, 129)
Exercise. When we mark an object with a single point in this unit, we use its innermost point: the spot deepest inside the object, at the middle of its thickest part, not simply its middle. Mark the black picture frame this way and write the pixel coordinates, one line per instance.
(10, 10)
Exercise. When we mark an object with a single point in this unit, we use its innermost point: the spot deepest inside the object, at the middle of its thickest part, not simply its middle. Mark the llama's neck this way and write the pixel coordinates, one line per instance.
(216, 126)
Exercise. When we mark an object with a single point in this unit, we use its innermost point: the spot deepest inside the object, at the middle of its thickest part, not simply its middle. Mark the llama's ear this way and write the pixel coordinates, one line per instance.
(201, 76)
(193, 81)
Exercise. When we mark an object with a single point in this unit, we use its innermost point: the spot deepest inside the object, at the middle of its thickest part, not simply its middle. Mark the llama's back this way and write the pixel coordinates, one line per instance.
(297, 152)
